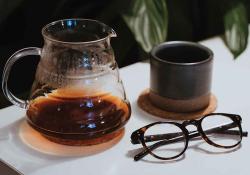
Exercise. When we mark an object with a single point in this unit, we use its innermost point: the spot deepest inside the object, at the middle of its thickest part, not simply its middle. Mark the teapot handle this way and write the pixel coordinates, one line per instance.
(19, 54)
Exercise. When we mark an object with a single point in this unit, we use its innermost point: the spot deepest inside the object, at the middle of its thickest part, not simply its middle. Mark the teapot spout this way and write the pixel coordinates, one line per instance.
(111, 32)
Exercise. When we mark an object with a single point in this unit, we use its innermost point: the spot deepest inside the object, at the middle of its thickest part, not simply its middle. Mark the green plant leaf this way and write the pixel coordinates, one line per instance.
(147, 19)
(236, 28)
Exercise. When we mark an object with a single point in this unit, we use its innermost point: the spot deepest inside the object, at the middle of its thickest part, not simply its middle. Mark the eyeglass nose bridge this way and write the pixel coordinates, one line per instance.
(190, 122)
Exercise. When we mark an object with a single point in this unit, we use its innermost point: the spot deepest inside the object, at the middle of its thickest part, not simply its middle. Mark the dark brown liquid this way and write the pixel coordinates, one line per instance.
(78, 117)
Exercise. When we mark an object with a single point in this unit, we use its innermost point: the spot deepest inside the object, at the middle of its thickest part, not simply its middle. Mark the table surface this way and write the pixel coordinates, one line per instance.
(31, 154)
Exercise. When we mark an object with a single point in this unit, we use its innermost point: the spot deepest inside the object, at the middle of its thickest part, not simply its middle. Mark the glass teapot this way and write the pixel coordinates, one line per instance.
(77, 97)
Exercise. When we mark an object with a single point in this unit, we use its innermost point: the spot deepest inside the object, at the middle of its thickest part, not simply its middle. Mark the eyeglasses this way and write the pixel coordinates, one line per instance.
(169, 140)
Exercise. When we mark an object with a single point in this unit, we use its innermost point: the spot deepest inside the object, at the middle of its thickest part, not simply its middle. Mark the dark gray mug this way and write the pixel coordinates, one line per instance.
(180, 76)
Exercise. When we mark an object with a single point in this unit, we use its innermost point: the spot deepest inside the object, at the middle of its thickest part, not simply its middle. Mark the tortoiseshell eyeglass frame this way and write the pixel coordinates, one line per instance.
(138, 137)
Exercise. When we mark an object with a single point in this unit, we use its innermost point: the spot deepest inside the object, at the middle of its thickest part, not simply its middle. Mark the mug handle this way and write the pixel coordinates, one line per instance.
(19, 54)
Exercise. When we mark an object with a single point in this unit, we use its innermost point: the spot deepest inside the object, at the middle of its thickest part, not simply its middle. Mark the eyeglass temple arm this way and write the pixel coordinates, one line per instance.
(220, 129)
(193, 134)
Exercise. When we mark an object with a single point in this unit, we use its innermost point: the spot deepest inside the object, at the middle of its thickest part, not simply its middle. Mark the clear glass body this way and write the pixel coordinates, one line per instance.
(77, 93)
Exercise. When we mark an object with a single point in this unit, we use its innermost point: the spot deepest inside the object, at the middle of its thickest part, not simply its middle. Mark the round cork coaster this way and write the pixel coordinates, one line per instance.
(145, 104)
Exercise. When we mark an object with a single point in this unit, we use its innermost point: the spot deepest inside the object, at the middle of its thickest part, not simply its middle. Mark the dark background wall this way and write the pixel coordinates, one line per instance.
(21, 22)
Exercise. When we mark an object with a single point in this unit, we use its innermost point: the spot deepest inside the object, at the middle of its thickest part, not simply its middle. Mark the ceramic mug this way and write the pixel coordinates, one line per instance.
(180, 76)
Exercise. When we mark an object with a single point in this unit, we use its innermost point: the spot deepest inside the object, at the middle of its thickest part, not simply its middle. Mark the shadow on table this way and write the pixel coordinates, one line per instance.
(31, 151)
(208, 149)
(151, 159)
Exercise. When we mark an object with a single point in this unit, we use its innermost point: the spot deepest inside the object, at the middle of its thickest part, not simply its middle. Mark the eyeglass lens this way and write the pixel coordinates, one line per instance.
(222, 139)
(162, 149)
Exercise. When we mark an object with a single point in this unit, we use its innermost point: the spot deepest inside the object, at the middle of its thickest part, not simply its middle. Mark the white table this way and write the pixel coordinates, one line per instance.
(31, 154)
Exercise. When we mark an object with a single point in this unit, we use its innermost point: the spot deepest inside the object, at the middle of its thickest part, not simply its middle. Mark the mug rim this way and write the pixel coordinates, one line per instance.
(185, 43)
(112, 34)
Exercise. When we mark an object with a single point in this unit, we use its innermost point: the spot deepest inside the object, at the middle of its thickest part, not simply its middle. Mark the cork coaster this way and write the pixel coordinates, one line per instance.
(87, 142)
(145, 104)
